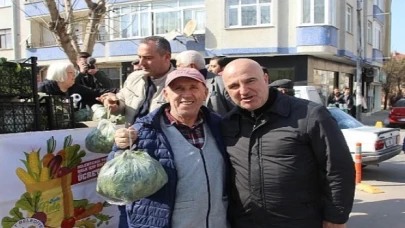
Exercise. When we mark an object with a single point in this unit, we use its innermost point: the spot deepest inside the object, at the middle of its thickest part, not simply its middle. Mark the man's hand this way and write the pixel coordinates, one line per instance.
(109, 100)
(122, 135)
(326, 224)
(82, 67)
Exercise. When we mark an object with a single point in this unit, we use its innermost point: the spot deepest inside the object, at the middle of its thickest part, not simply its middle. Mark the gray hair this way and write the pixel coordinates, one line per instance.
(57, 71)
(191, 57)
(163, 46)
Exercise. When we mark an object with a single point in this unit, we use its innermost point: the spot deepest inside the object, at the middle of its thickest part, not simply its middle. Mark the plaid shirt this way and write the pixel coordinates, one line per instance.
(194, 135)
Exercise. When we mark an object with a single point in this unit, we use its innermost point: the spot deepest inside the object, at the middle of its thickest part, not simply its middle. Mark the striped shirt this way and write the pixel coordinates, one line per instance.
(194, 135)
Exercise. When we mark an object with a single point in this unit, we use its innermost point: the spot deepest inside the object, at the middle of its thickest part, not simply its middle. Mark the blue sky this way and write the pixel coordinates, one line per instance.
(398, 26)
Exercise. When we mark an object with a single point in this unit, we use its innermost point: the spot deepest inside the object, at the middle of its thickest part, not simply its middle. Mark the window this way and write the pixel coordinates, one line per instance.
(249, 12)
(377, 42)
(369, 32)
(135, 20)
(349, 19)
(5, 39)
(4, 3)
(318, 12)
(380, 4)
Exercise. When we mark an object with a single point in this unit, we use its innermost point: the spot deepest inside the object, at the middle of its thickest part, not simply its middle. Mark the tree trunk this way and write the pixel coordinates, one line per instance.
(58, 27)
(97, 12)
(64, 28)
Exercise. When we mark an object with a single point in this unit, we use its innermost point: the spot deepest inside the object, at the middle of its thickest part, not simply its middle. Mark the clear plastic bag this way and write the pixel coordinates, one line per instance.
(101, 139)
(129, 177)
(99, 112)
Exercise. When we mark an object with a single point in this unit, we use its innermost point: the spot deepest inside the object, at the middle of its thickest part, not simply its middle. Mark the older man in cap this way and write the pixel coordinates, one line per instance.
(184, 137)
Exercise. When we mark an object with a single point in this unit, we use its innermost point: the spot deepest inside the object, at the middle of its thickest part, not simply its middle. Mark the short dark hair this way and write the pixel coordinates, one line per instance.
(163, 45)
(221, 60)
(84, 54)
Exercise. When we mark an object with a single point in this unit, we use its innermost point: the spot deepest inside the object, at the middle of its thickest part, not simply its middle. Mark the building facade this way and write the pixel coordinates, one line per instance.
(313, 42)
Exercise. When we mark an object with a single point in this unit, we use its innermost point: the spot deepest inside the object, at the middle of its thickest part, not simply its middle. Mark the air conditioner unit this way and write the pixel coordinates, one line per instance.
(369, 72)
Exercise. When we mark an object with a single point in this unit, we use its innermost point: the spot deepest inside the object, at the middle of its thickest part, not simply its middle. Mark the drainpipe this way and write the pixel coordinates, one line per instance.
(16, 28)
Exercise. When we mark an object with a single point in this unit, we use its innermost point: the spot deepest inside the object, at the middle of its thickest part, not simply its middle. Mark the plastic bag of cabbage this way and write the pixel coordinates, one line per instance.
(129, 177)
(101, 139)
(100, 112)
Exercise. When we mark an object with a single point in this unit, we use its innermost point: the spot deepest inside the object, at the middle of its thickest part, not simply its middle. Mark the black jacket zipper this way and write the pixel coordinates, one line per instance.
(208, 189)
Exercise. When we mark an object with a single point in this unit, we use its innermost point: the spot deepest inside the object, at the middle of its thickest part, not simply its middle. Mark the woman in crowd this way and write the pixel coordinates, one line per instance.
(60, 80)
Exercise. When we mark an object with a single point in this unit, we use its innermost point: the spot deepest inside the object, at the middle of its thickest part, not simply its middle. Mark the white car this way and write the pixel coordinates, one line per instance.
(378, 144)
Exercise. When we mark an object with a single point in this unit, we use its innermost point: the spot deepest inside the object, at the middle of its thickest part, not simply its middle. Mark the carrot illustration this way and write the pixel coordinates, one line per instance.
(51, 144)
(96, 208)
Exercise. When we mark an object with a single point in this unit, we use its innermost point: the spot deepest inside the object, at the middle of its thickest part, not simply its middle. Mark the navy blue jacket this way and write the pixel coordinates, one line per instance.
(156, 210)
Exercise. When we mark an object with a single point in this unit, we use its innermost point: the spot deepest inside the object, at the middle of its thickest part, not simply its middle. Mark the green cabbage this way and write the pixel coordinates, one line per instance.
(131, 176)
(101, 139)
(99, 112)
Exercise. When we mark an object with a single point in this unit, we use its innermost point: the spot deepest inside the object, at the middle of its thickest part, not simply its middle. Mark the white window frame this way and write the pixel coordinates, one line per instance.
(349, 18)
(369, 32)
(9, 42)
(147, 8)
(5, 3)
(330, 13)
(258, 5)
(377, 35)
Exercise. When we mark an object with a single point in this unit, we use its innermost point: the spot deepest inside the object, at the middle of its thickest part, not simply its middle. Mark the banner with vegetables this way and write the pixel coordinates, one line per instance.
(51, 182)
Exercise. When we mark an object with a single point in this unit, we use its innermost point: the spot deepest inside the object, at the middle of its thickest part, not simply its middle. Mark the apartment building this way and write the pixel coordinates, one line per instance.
(312, 42)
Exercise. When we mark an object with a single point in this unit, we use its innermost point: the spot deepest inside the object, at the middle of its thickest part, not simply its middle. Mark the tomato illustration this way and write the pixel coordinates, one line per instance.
(68, 223)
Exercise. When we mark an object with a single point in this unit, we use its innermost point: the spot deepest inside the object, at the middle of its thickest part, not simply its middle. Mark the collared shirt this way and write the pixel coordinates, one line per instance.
(194, 135)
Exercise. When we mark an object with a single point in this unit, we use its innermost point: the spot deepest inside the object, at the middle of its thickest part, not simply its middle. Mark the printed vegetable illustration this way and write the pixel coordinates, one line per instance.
(50, 144)
(130, 177)
(49, 198)
(25, 177)
(68, 223)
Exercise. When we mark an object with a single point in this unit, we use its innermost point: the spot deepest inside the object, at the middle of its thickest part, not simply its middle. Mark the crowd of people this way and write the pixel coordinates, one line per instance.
(238, 153)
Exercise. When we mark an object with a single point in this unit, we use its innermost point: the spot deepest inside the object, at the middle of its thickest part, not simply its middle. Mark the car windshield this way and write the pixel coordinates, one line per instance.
(344, 120)
(400, 103)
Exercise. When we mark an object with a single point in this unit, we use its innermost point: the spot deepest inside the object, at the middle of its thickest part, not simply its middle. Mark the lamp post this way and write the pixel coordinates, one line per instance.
(358, 63)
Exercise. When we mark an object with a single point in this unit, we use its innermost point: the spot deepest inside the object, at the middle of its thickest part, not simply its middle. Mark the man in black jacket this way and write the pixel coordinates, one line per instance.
(291, 167)
(89, 75)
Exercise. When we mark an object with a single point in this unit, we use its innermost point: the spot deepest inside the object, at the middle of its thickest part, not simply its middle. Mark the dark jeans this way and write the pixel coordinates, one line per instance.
(123, 221)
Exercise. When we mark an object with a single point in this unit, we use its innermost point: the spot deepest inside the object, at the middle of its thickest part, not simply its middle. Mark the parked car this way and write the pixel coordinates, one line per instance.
(396, 117)
(378, 144)
(308, 93)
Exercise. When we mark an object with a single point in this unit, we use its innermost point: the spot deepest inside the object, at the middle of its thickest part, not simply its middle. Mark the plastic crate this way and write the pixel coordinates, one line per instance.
(17, 117)
(18, 81)
(57, 112)
(53, 113)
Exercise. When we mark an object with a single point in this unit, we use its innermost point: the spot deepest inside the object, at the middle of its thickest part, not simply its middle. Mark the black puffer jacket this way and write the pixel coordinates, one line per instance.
(88, 95)
(291, 167)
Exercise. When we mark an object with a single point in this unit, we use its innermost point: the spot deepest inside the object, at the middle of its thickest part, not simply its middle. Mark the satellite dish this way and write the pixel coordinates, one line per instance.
(172, 35)
(190, 27)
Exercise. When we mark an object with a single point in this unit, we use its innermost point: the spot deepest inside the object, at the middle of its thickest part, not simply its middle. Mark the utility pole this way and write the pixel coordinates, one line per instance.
(358, 64)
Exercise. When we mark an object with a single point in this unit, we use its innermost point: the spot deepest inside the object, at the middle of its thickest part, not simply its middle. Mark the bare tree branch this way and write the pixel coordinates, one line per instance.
(70, 25)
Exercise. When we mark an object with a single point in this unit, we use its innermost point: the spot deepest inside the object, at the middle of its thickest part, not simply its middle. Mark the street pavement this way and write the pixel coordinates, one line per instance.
(383, 210)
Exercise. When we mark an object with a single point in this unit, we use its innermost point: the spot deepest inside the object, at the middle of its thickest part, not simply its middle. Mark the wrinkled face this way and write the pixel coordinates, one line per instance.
(70, 79)
(186, 96)
(247, 86)
(214, 67)
(151, 60)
